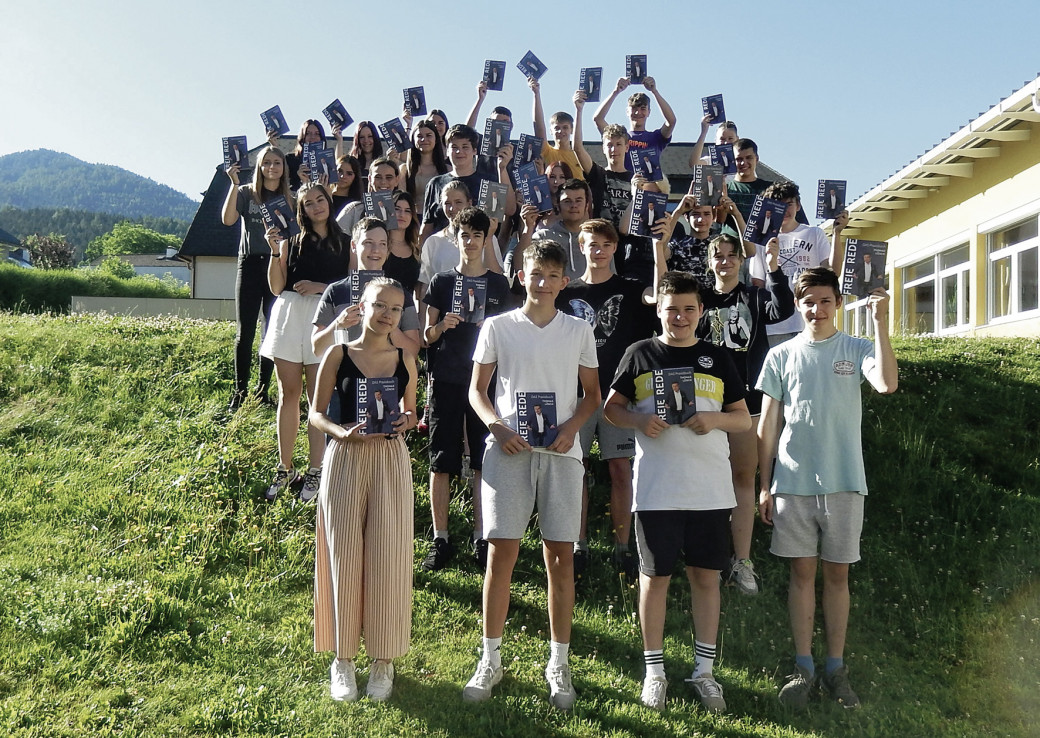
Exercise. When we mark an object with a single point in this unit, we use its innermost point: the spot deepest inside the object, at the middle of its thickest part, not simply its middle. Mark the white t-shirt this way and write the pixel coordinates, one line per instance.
(534, 359)
(803, 248)
(441, 254)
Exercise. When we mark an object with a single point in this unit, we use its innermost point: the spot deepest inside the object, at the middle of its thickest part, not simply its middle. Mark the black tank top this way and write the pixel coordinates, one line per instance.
(347, 384)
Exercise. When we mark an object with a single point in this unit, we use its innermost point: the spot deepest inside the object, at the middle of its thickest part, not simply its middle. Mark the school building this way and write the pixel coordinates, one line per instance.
(961, 223)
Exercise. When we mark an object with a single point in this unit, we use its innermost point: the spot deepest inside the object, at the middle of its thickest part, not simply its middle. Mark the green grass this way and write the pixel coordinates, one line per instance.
(148, 590)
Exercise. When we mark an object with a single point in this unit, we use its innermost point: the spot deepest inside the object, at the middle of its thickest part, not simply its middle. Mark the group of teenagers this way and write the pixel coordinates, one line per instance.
(577, 308)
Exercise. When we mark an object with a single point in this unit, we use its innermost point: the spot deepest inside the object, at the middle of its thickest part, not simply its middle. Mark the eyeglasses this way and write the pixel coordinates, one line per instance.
(382, 307)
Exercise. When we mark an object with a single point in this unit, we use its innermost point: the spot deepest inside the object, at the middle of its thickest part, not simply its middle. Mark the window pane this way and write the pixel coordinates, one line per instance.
(1000, 286)
(1013, 235)
(965, 278)
(918, 270)
(920, 308)
(1027, 293)
(949, 300)
(953, 257)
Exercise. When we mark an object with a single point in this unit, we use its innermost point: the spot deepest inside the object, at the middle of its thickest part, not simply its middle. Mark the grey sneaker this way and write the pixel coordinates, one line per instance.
(799, 687)
(742, 574)
(837, 686)
(561, 691)
(654, 690)
(380, 681)
(311, 483)
(478, 688)
(282, 479)
(709, 692)
(344, 681)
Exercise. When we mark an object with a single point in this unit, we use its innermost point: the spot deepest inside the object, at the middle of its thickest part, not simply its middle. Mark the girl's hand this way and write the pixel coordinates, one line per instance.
(274, 237)
(232, 173)
(406, 117)
(403, 422)
(352, 434)
(272, 138)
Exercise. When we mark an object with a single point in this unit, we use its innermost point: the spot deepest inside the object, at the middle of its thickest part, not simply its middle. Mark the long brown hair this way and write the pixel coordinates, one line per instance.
(258, 177)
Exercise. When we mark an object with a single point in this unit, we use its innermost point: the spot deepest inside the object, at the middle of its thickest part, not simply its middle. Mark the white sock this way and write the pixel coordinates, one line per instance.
(493, 651)
(703, 659)
(557, 654)
(654, 661)
(441, 534)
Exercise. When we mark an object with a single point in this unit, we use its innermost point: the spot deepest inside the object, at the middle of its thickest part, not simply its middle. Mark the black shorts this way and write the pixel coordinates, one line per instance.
(450, 414)
(701, 536)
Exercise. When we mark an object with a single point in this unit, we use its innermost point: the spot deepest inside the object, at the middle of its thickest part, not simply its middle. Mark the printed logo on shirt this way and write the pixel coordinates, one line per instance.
(844, 368)
(705, 362)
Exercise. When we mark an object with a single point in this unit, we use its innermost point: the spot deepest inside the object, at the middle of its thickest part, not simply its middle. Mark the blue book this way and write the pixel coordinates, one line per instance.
(492, 199)
(722, 156)
(415, 100)
(527, 149)
(590, 82)
(377, 404)
(647, 209)
(468, 298)
(764, 221)
(712, 105)
(381, 205)
(675, 395)
(494, 74)
(635, 68)
(864, 267)
(496, 135)
(337, 115)
(532, 66)
(278, 212)
(536, 420)
(323, 162)
(274, 121)
(358, 280)
(708, 184)
(395, 135)
(534, 190)
(235, 152)
(646, 163)
(830, 198)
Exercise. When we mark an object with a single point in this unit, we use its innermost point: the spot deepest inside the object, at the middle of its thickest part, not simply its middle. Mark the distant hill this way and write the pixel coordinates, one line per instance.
(78, 226)
(50, 179)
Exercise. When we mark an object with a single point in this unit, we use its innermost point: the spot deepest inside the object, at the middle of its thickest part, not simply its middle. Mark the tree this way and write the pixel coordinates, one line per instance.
(130, 238)
(116, 267)
(52, 251)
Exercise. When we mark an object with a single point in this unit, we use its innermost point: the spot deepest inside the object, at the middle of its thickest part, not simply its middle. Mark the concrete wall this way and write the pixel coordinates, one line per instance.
(213, 277)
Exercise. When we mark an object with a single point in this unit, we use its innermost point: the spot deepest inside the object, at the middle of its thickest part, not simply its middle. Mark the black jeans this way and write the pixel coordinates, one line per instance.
(252, 297)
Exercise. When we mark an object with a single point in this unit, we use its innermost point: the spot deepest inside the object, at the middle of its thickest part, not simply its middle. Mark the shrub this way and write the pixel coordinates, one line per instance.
(38, 291)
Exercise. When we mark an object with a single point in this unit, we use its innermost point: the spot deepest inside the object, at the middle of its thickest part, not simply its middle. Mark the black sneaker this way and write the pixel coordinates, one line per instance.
(440, 554)
(626, 563)
(581, 563)
(480, 552)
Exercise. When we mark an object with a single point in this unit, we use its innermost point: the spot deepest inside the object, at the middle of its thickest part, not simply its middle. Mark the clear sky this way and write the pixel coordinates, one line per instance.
(830, 90)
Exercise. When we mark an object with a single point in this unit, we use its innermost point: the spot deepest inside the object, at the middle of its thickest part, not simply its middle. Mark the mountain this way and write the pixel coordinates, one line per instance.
(50, 179)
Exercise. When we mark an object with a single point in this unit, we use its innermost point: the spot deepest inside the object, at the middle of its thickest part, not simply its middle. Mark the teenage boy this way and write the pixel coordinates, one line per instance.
(801, 247)
(572, 200)
(814, 496)
(725, 134)
(535, 348)
(449, 411)
(562, 125)
(746, 184)
(683, 483)
(638, 112)
(618, 312)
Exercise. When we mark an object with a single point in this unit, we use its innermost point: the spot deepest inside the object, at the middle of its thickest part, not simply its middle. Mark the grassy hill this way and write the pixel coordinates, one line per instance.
(149, 591)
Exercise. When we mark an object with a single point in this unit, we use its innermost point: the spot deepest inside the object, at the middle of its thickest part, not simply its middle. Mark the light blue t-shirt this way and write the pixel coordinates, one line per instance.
(820, 449)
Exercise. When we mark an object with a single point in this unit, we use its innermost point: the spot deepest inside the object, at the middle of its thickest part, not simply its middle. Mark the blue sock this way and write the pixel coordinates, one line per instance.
(806, 663)
(833, 664)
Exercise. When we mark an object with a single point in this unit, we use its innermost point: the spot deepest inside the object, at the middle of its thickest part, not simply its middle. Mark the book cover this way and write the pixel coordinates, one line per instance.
(492, 199)
(278, 212)
(469, 298)
(830, 198)
(274, 121)
(323, 162)
(377, 404)
(306, 148)
(381, 205)
(415, 100)
(358, 279)
(764, 221)
(527, 149)
(531, 66)
(337, 115)
(496, 135)
(646, 163)
(520, 173)
(635, 68)
(534, 190)
(395, 135)
(722, 156)
(864, 268)
(494, 74)
(708, 184)
(675, 397)
(235, 152)
(591, 82)
(712, 105)
(647, 209)
(536, 417)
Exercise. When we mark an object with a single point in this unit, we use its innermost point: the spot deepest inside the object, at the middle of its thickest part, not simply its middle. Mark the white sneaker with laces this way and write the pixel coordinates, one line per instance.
(561, 691)
(743, 575)
(709, 692)
(344, 681)
(655, 689)
(478, 688)
(380, 681)
(311, 484)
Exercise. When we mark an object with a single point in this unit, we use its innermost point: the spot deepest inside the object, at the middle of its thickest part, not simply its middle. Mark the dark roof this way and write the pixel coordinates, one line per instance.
(7, 239)
(207, 235)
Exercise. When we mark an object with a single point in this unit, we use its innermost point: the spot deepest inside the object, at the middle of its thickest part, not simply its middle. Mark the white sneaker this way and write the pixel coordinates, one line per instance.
(709, 692)
(561, 691)
(380, 681)
(743, 575)
(311, 484)
(344, 681)
(654, 690)
(478, 688)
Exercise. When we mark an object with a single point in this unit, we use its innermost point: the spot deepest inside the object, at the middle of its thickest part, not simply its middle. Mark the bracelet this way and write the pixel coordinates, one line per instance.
(275, 256)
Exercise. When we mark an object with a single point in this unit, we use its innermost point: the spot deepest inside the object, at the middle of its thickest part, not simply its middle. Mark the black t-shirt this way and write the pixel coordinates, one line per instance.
(611, 193)
(346, 385)
(690, 254)
(702, 357)
(432, 211)
(617, 314)
(453, 362)
(405, 270)
(316, 260)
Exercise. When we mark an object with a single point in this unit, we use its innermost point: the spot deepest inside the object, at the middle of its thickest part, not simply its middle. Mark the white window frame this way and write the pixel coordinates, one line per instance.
(963, 273)
(1014, 252)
